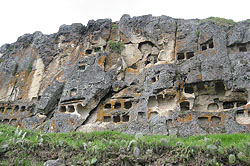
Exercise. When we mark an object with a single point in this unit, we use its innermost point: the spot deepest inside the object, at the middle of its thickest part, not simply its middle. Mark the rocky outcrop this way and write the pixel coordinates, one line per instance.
(150, 75)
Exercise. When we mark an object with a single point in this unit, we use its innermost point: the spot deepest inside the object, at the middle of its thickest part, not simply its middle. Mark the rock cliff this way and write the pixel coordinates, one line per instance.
(150, 75)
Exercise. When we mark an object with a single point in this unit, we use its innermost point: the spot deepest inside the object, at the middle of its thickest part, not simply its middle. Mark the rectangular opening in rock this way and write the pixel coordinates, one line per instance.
(88, 51)
(71, 108)
(228, 105)
(141, 116)
(107, 106)
(13, 121)
(81, 67)
(184, 106)
(220, 88)
(116, 118)
(23, 108)
(189, 90)
(211, 44)
(180, 56)
(5, 121)
(80, 109)
(73, 92)
(97, 49)
(169, 123)
(117, 105)
(153, 114)
(242, 48)
(107, 118)
(125, 118)
(241, 103)
(152, 102)
(62, 109)
(203, 47)
(16, 108)
(240, 113)
(190, 55)
(128, 104)
(2, 109)
(203, 121)
(213, 106)
(153, 79)
(215, 120)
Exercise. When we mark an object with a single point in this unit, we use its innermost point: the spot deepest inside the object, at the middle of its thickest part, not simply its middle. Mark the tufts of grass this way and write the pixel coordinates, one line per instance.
(116, 46)
(219, 21)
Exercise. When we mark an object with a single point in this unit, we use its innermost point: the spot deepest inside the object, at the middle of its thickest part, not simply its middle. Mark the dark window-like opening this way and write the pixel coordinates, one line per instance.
(62, 109)
(134, 66)
(16, 108)
(228, 105)
(82, 67)
(5, 121)
(215, 120)
(104, 47)
(117, 105)
(125, 118)
(89, 51)
(213, 106)
(141, 115)
(203, 121)
(128, 104)
(180, 56)
(117, 119)
(13, 121)
(169, 123)
(190, 55)
(242, 48)
(73, 92)
(23, 108)
(153, 79)
(97, 49)
(153, 114)
(146, 43)
(220, 88)
(39, 97)
(71, 108)
(203, 47)
(189, 90)
(184, 106)
(211, 44)
(241, 103)
(107, 106)
(2, 109)
(240, 113)
(107, 118)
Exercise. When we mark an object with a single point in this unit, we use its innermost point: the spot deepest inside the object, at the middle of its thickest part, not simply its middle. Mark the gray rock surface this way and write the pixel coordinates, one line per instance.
(146, 74)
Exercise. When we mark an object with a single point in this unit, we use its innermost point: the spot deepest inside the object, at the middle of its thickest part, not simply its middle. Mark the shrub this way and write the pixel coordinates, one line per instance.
(116, 46)
(219, 21)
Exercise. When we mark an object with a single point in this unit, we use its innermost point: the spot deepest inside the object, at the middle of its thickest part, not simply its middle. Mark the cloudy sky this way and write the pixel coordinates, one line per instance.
(27, 16)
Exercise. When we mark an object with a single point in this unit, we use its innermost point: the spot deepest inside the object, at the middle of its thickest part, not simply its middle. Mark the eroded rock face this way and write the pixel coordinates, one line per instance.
(152, 75)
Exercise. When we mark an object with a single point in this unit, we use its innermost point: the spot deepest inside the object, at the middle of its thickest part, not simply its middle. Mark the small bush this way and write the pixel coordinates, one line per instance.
(1, 60)
(116, 46)
(30, 66)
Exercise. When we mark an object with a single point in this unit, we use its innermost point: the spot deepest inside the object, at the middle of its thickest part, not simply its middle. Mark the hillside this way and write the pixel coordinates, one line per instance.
(23, 147)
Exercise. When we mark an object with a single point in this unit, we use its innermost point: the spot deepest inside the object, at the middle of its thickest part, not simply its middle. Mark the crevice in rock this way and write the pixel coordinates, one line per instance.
(175, 37)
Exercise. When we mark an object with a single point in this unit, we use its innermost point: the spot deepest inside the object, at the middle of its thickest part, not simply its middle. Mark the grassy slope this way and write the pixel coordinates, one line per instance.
(22, 147)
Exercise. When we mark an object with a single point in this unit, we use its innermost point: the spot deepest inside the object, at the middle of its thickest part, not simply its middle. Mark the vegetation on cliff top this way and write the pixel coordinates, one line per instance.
(23, 147)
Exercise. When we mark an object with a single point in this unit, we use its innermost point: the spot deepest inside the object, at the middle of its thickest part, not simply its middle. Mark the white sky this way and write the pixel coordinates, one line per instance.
(27, 16)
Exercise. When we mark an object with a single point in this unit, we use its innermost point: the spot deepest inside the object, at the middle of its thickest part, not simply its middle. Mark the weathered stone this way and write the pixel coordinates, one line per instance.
(169, 76)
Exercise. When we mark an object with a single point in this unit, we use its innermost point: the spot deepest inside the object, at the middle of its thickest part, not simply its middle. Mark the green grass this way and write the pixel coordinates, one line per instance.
(219, 21)
(115, 46)
(24, 146)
